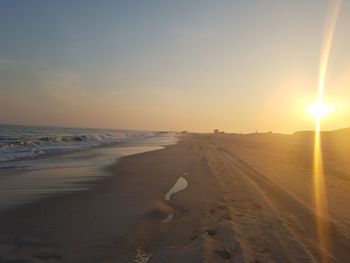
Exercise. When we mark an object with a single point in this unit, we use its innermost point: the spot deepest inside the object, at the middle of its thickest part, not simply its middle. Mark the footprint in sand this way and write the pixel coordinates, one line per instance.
(211, 231)
(141, 256)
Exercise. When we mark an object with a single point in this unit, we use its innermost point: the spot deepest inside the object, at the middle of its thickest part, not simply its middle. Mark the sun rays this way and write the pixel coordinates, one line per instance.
(319, 110)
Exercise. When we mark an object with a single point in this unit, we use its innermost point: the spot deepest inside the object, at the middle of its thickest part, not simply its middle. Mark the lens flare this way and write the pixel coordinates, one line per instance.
(319, 110)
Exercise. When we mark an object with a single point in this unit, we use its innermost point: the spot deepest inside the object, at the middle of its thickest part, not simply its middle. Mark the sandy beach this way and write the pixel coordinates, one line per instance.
(248, 199)
(175, 131)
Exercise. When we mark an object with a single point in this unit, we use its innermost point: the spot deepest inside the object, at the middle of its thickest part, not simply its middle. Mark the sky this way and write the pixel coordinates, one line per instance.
(239, 66)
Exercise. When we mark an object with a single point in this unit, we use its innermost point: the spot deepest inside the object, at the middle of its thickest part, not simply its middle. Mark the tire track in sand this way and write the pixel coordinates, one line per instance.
(297, 219)
(259, 229)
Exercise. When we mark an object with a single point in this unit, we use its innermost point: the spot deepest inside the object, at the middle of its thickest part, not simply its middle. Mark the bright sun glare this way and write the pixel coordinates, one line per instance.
(320, 110)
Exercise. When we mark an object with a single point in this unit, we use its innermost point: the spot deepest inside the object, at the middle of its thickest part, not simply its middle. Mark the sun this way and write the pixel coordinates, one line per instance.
(320, 109)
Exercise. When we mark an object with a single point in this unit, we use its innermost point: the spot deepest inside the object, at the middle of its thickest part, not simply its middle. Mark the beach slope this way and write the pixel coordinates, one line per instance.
(247, 198)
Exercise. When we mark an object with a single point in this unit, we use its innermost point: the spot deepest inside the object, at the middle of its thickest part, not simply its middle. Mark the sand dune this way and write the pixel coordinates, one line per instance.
(248, 199)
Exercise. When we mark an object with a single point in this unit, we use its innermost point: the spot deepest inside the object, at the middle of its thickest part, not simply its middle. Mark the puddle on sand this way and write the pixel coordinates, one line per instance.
(168, 219)
(180, 184)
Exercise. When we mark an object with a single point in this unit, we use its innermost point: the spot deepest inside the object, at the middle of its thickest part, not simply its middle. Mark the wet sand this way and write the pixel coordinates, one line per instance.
(248, 199)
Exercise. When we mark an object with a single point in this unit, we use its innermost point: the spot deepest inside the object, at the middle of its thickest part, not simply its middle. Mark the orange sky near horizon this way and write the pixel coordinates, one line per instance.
(238, 67)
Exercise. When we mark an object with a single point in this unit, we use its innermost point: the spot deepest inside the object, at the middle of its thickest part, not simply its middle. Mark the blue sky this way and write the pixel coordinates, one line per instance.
(234, 65)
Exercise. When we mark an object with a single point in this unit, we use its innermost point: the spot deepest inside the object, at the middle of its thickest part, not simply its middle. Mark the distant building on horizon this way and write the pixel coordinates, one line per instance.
(216, 131)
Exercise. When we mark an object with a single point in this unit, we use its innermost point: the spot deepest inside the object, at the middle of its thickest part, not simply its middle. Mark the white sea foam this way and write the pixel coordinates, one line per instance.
(25, 179)
(19, 142)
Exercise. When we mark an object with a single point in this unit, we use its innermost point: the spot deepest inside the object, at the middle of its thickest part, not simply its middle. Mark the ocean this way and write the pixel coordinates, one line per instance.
(39, 161)
(23, 142)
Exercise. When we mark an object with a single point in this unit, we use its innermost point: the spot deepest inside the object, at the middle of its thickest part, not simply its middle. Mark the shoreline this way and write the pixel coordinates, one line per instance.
(64, 219)
(67, 172)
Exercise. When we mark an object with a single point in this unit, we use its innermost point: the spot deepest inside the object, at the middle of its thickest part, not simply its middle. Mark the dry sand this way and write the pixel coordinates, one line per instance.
(248, 199)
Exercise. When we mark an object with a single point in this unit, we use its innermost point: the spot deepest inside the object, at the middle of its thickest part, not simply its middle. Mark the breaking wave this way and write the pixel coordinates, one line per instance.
(19, 142)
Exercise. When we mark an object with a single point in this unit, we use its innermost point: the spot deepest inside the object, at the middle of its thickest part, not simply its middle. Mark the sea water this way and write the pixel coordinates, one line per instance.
(39, 161)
